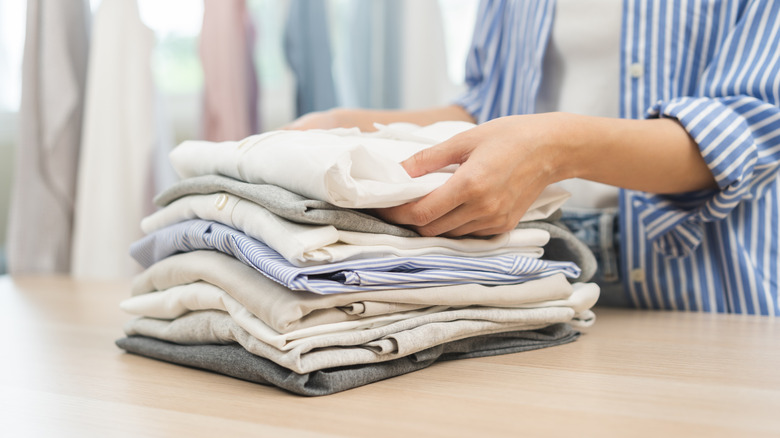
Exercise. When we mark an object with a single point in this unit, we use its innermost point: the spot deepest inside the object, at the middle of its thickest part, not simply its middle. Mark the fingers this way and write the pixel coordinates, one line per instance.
(462, 207)
(453, 151)
(502, 170)
(476, 219)
(465, 219)
(427, 209)
(442, 210)
(453, 210)
(442, 200)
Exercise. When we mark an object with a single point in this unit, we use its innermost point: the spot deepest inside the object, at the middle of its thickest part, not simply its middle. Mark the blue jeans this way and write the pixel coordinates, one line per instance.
(598, 229)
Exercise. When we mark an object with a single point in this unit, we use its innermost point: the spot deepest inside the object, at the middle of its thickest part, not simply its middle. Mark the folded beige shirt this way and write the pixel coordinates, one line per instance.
(179, 300)
(286, 310)
(355, 347)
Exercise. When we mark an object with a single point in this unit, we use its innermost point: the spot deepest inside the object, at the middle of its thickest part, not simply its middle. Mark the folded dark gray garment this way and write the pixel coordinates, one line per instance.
(235, 361)
(283, 203)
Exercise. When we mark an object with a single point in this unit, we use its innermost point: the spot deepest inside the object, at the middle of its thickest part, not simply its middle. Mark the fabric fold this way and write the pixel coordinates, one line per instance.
(348, 348)
(308, 245)
(348, 276)
(284, 203)
(180, 300)
(233, 360)
(344, 167)
(286, 310)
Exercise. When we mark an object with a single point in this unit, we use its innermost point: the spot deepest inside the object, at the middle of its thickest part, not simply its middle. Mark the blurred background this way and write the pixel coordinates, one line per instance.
(297, 56)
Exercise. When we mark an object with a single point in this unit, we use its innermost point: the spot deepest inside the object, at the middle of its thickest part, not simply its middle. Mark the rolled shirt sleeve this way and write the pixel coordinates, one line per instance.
(734, 118)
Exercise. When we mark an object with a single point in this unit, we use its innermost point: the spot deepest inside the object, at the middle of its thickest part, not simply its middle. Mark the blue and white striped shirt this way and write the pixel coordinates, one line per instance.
(348, 276)
(714, 65)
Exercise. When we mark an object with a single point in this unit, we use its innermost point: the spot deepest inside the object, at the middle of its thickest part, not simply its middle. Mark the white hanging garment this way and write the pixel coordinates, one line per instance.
(119, 134)
(50, 118)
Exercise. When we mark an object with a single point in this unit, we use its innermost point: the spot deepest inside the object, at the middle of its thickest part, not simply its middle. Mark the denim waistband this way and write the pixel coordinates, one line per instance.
(598, 229)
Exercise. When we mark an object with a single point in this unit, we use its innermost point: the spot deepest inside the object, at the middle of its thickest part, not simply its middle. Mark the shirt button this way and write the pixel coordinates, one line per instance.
(637, 275)
(221, 201)
(636, 70)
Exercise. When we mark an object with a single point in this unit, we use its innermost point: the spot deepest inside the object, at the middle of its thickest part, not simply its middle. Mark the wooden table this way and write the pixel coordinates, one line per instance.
(633, 373)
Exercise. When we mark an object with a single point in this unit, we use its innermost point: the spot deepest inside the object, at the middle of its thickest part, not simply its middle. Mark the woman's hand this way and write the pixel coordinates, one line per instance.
(333, 118)
(504, 166)
(507, 162)
(365, 118)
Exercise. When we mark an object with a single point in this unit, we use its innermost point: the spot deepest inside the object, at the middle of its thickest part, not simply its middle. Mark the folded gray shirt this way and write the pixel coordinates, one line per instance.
(283, 203)
(233, 360)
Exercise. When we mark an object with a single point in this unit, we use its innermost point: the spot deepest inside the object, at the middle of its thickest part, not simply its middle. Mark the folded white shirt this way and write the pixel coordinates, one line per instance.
(306, 245)
(345, 167)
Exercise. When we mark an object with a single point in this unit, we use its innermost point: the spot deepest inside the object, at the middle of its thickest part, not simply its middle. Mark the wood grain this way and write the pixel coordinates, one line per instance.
(634, 373)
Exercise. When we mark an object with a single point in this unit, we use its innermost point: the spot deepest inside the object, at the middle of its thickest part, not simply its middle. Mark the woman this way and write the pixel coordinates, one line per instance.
(694, 143)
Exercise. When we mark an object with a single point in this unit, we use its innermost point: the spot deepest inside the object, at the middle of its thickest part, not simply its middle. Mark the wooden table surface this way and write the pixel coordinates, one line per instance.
(633, 373)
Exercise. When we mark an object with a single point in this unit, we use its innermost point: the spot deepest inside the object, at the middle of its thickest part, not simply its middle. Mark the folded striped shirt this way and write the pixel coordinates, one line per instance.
(347, 276)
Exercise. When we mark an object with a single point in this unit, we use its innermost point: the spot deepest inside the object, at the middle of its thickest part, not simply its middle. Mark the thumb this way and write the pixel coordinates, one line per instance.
(436, 157)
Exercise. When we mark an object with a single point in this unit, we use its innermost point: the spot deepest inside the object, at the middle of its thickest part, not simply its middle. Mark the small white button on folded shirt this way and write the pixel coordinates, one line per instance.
(345, 167)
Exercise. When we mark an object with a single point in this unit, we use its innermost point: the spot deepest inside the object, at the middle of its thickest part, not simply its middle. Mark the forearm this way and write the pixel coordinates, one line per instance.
(507, 162)
(656, 155)
(365, 119)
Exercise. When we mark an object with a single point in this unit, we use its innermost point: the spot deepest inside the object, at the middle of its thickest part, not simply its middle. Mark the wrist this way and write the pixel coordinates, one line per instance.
(586, 143)
(349, 118)
(567, 147)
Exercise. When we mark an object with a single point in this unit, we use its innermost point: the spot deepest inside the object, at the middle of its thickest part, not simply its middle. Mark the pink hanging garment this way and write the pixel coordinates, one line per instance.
(230, 84)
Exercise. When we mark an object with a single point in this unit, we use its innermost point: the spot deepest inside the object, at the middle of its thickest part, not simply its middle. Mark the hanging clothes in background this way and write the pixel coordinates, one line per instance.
(44, 185)
(308, 51)
(423, 50)
(119, 135)
(370, 56)
(163, 175)
(230, 83)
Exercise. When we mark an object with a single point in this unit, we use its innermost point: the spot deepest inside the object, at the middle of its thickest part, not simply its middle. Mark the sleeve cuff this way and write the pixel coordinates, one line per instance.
(472, 102)
(674, 223)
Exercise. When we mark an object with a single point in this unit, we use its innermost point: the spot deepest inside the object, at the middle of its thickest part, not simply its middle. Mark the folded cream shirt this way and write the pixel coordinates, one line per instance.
(306, 245)
(286, 310)
(345, 167)
(392, 341)
(179, 300)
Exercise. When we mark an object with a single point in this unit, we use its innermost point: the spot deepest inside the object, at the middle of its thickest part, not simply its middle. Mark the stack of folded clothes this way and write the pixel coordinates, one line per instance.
(261, 265)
